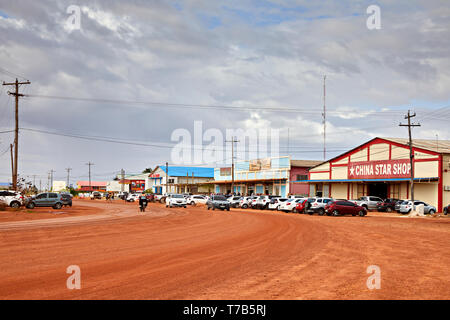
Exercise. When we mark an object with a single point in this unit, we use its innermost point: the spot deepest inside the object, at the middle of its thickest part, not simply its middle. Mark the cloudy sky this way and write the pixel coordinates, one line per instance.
(193, 56)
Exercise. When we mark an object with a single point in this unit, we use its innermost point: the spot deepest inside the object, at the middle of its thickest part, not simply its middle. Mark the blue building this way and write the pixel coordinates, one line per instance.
(180, 179)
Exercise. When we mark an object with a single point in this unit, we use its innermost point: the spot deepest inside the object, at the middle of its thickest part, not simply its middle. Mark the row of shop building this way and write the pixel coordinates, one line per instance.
(380, 167)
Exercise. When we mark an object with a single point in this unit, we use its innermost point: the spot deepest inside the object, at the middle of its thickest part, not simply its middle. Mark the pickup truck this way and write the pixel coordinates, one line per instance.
(368, 202)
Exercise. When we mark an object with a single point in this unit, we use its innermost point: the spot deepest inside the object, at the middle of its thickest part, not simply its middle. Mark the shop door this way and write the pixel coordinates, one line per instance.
(378, 190)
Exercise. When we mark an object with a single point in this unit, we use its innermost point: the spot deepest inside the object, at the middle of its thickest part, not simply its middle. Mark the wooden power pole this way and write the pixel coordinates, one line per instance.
(233, 141)
(16, 136)
(411, 153)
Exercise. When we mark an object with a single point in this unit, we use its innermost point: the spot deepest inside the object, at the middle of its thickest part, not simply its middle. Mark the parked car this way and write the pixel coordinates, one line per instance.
(397, 205)
(47, 199)
(317, 205)
(218, 202)
(66, 199)
(275, 203)
(301, 205)
(342, 207)
(290, 204)
(96, 195)
(262, 202)
(123, 195)
(176, 200)
(11, 198)
(234, 201)
(368, 202)
(246, 202)
(406, 207)
(447, 209)
(196, 199)
(132, 197)
(150, 197)
(388, 205)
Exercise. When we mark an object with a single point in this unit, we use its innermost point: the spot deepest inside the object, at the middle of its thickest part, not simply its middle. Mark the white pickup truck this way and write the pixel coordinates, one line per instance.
(368, 202)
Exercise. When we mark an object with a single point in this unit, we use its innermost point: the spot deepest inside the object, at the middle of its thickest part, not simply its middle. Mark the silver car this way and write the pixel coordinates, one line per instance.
(406, 207)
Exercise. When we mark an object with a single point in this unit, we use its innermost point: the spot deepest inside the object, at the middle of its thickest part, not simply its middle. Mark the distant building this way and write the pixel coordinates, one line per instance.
(115, 186)
(5, 185)
(180, 179)
(59, 186)
(94, 186)
(269, 176)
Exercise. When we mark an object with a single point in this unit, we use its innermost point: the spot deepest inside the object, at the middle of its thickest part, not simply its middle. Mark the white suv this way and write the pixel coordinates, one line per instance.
(176, 200)
(13, 199)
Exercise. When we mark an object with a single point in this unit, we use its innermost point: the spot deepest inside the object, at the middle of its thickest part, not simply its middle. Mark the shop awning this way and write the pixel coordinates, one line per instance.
(431, 179)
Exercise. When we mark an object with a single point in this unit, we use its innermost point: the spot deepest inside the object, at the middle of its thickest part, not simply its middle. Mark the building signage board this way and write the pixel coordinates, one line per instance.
(225, 171)
(266, 163)
(381, 169)
(255, 165)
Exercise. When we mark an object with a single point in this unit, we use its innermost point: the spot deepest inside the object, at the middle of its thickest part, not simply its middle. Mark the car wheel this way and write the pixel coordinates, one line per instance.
(244, 206)
(15, 204)
(432, 211)
(214, 208)
(184, 206)
(57, 206)
(388, 209)
(192, 203)
(30, 205)
(278, 208)
(228, 209)
(335, 213)
(361, 213)
(321, 212)
(162, 200)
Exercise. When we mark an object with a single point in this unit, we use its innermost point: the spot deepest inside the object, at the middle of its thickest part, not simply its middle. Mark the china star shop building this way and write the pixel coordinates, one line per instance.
(381, 167)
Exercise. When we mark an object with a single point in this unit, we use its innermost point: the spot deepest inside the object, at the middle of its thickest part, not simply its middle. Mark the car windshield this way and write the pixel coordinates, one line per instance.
(310, 200)
(177, 196)
(220, 198)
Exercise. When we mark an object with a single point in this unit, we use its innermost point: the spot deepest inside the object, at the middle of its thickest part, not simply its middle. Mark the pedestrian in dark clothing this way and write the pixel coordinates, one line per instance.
(143, 202)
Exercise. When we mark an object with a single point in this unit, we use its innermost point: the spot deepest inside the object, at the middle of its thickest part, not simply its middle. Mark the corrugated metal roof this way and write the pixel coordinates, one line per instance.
(441, 146)
(93, 183)
(305, 163)
(199, 172)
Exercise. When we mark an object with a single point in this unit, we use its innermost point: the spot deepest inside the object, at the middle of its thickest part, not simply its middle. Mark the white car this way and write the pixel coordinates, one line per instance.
(290, 204)
(132, 197)
(245, 202)
(275, 203)
(196, 199)
(11, 198)
(234, 201)
(176, 200)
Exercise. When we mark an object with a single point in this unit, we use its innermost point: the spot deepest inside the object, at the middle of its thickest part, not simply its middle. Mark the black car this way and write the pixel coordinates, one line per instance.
(66, 199)
(447, 209)
(388, 205)
(218, 202)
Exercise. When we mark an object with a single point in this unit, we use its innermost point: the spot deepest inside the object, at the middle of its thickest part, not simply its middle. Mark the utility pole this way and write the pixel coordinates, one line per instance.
(12, 165)
(68, 177)
(16, 136)
(51, 180)
(411, 153)
(90, 164)
(167, 177)
(233, 141)
(324, 115)
(122, 173)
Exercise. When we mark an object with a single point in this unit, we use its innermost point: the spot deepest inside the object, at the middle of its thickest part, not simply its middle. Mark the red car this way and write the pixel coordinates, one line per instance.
(341, 207)
(300, 207)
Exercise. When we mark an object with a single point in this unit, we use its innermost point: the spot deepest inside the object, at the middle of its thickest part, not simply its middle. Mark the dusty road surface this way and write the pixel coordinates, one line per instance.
(242, 254)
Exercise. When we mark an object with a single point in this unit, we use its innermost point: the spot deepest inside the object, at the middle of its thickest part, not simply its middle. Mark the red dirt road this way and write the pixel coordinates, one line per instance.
(242, 254)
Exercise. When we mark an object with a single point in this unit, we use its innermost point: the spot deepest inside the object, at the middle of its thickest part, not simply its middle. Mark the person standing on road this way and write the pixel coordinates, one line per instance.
(142, 202)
